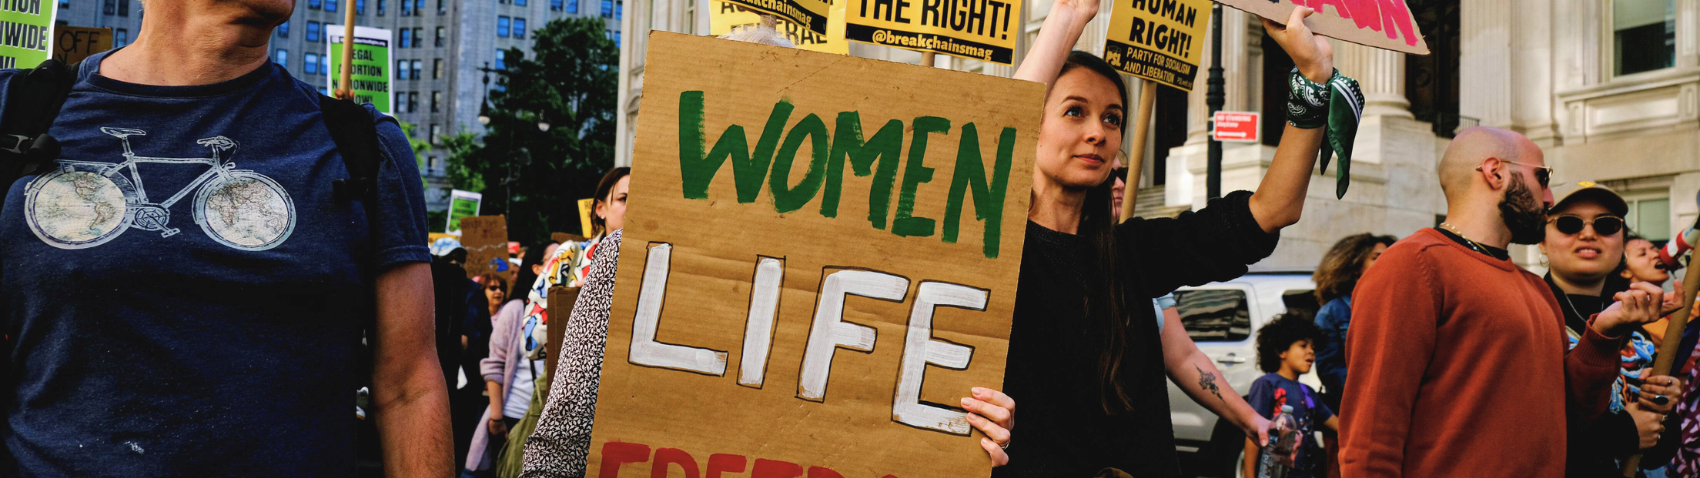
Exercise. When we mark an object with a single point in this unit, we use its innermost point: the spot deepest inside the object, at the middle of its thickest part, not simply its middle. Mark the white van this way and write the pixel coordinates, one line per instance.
(1222, 318)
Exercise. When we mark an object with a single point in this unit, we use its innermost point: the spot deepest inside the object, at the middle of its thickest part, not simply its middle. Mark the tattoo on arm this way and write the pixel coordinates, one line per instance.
(1207, 381)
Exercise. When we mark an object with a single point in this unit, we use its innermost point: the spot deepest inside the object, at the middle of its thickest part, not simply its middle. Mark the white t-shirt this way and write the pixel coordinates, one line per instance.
(519, 390)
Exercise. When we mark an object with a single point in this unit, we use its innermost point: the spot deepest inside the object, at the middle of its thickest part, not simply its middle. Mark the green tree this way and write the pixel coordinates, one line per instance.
(534, 173)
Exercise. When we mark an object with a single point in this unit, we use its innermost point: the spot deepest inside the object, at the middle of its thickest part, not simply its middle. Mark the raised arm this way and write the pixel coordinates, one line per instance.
(1280, 197)
(1057, 37)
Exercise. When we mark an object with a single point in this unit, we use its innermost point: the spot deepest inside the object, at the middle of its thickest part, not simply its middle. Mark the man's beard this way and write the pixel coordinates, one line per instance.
(1523, 214)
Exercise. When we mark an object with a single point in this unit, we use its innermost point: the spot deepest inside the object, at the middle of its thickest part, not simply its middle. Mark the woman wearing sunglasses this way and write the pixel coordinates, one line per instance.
(1584, 246)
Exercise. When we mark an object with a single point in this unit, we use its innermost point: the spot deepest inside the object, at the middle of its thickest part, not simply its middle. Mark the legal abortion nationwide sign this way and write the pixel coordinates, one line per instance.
(372, 76)
(26, 32)
(814, 261)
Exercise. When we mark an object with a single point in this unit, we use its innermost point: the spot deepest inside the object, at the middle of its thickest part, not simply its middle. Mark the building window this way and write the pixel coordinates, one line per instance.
(315, 4)
(418, 37)
(608, 8)
(281, 57)
(64, 4)
(442, 33)
(110, 7)
(401, 69)
(418, 65)
(436, 137)
(406, 7)
(572, 6)
(556, 5)
(330, 5)
(502, 26)
(413, 102)
(501, 59)
(123, 8)
(121, 37)
(381, 4)
(1643, 35)
(313, 31)
(1649, 217)
(309, 63)
(419, 7)
(431, 163)
(436, 106)
(283, 29)
(519, 28)
(614, 35)
(519, 2)
(619, 5)
(406, 37)
(437, 68)
(359, 7)
(442, 8)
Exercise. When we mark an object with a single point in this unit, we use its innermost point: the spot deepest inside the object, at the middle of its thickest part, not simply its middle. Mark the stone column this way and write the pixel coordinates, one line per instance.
(1381, 74)
(1485, 61)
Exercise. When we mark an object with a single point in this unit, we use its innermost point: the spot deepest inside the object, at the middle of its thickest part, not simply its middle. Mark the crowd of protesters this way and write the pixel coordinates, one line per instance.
(173, 354)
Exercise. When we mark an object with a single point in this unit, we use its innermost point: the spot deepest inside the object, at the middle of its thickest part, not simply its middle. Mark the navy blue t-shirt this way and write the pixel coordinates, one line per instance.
(183, 296)
(1270, 392)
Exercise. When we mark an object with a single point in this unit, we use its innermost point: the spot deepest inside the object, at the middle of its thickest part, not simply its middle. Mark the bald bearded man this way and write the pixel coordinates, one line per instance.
(1459, 360)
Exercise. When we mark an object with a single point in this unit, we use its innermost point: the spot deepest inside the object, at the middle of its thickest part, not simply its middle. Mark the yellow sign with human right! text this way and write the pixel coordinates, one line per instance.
(1158, 40)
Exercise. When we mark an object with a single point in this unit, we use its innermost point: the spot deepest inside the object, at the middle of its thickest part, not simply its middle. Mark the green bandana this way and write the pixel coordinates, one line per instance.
(1336, 107)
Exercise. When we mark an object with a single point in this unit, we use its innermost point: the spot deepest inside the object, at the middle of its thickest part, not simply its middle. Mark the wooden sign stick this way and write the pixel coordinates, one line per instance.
(1666, 357)
(1136, 150)
(346, 92)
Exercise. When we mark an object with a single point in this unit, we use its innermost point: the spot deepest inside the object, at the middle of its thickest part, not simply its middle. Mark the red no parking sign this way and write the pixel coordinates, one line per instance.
(1237, 126)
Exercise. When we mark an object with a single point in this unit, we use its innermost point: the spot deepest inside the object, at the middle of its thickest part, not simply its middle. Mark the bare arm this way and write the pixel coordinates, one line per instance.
(1252, 452)
(408, 393)
(1056, 39)
(1195, 374)
(1280, 197)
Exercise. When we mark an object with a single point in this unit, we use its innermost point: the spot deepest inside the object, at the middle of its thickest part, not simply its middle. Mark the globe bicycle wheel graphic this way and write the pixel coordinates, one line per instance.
(77, 207)
(245, 210)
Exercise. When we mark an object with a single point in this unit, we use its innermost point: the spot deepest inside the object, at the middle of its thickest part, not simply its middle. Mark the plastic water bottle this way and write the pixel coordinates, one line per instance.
(1281, 453)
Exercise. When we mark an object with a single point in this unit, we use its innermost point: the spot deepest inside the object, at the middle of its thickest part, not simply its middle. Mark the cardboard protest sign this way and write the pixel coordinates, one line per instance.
(73, 44)
(810, 14)
(983, 30)
(822, 300)
(26, 32)
(1158, 40)
(462, 204)
(372, 76)
(486, 241)
(1379, 23)
(724, 16)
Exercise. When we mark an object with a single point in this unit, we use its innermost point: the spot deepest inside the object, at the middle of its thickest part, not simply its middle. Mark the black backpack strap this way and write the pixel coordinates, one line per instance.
(32, 103)
(355, 132)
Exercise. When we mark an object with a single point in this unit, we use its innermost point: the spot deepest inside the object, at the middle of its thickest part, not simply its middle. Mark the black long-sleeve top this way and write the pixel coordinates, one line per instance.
(1063, 428)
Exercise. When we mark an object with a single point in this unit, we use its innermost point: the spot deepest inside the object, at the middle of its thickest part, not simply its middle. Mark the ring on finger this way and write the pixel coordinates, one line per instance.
(1661, 399)
(1004, 445)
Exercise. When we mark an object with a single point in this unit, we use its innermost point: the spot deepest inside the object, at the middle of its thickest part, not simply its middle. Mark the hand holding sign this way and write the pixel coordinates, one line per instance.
(1311, 54)
(993, 413)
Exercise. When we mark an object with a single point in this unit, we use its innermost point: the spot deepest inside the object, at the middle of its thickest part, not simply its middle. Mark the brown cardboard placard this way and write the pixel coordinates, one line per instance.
(73, 44)
(728, 267)
(486, 240)
(561, 307)
(1379, 23)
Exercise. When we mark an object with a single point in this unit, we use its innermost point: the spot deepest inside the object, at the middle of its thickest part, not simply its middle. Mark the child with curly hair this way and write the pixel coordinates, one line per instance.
(1284, 350)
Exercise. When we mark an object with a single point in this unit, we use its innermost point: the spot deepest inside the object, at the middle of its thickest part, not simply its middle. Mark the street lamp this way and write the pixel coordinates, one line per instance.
(484, 106)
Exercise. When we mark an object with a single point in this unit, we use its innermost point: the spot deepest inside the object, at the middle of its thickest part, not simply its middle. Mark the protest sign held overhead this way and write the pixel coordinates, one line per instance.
(372, 76)
(462, 204)
(26, 32)
(73, 44)
(983, 30)
(1379, 23)
(486, 241)
(724, 16)
(811, 262)
(1158, 40)
(811, 14)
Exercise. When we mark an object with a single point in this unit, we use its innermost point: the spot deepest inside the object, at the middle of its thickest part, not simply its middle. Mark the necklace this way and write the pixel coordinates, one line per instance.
(1471, 243)
(1573, 308)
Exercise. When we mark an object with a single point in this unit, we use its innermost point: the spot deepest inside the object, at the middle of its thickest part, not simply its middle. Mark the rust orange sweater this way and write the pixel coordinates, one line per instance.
(1459, 368)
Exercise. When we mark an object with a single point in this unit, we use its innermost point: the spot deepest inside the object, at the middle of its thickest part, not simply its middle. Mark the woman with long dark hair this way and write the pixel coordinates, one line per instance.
(1335, 278)
(1086, 359)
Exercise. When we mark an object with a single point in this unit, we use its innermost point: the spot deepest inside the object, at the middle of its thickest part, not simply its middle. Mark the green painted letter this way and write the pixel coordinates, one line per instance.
(697, 169)
(786, 198)
(970, 174)
(914, 173)
(884, 147)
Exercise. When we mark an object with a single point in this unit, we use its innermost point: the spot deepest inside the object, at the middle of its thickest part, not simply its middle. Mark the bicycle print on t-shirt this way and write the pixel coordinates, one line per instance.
(83, 204)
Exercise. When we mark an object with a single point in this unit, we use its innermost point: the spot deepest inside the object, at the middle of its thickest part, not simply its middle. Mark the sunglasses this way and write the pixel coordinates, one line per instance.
(1118, 173)
(1603, 225)
(1542, 173)
(495, 287)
